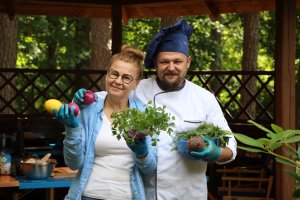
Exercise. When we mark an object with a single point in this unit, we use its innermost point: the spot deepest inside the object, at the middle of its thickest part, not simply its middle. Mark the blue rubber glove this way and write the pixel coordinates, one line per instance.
(211, 153)
(66, 116)
(79, 97)
(182, 149)
(139, 148)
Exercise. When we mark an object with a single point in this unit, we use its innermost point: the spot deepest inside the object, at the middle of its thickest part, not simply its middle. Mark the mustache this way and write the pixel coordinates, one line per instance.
(171, 73)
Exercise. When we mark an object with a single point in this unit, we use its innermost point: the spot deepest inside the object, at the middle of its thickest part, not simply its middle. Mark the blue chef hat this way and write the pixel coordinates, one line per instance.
(171, 39)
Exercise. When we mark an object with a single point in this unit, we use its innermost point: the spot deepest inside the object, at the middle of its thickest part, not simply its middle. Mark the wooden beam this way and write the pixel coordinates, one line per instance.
(124, 15)
(285, 43)
(137, 8)
(196, 7)
(212, 10)
(116, 27)
(12, 5)
(58, 8)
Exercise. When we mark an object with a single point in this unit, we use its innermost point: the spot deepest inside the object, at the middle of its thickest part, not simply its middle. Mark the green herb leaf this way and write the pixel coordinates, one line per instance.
(208, 130)
(151, 121)
(276, 129)
(274, 146)
(249, 141)
(292, 139)
(253, 150)
(286, 162)
(260, 126)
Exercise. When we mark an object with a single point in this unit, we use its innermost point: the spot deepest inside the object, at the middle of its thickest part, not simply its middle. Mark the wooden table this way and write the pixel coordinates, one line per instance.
(61, 178)
(49, 184)
(8, 181)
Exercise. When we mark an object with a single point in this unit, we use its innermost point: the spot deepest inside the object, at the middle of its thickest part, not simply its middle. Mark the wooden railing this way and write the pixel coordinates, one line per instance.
(23, 91)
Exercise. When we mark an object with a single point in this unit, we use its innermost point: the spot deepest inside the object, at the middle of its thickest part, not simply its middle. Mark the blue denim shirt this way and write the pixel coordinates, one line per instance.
(79, 145)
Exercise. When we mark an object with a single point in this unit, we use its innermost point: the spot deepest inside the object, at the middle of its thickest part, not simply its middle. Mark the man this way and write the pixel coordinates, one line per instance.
(181, 175)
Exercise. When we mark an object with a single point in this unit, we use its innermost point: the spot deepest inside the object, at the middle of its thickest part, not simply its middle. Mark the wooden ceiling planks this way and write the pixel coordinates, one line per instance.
(56, 8)
(134, 8)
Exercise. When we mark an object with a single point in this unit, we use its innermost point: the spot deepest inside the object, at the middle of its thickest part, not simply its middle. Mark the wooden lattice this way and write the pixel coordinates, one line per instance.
(29, 88)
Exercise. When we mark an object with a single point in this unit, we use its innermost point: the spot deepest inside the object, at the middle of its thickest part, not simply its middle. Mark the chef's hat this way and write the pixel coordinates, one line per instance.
(171, 39)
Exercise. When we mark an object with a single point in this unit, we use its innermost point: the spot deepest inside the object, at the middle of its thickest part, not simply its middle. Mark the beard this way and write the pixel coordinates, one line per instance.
(170, 86)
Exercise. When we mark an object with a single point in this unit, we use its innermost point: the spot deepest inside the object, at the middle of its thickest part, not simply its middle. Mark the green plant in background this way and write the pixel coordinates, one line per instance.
(208, 130)
(276, 138)
(151, 122)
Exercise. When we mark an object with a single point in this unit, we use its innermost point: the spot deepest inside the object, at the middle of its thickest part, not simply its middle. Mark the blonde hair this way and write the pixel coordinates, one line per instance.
(132, 55)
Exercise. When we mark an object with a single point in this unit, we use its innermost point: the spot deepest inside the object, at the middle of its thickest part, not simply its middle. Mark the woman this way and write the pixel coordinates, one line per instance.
(108, 169)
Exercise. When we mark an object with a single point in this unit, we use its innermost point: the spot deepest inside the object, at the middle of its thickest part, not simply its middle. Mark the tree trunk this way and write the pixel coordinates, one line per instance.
(100, 46)
(8, 58)
(81, 38)
(249, 62)
(52, 44)
(168, 21)
(216, 37)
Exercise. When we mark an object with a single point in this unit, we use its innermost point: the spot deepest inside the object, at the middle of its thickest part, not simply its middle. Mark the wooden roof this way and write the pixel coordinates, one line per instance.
(133, 8)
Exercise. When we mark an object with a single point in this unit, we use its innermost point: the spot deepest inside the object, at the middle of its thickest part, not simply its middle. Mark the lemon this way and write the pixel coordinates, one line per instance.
(51, 104)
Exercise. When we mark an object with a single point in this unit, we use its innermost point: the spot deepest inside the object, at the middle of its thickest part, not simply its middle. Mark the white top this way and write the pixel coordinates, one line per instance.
(179, 177)
(110, 174)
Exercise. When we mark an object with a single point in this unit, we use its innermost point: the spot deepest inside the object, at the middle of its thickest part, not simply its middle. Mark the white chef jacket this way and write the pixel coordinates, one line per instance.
(178, 177)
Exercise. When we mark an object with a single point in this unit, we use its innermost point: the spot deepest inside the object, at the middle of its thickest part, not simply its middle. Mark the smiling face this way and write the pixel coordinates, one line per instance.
(119, 70)
(171, 69)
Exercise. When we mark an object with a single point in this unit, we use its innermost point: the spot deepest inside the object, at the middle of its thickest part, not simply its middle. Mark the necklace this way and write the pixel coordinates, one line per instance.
(114, 108)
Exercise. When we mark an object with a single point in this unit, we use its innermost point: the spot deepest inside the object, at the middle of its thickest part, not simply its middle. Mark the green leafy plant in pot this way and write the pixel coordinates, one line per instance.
(133, 123)
(276, 138)
(196, 143)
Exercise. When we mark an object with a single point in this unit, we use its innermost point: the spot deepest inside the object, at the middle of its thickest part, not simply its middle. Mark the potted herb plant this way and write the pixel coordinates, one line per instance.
(275, 138)
(195, 141)
(133, 123)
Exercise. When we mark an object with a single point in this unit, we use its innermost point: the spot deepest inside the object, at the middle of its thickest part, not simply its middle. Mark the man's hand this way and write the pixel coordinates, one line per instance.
(66, 116)
(182, 148)
(139, 147)
(211, 153)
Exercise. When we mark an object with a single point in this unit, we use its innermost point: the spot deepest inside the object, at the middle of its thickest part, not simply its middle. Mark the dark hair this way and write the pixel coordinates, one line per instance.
(131, 55)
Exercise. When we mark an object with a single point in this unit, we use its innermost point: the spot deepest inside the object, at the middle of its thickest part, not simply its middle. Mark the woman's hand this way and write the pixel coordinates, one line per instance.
(66, 116)
(139, 147)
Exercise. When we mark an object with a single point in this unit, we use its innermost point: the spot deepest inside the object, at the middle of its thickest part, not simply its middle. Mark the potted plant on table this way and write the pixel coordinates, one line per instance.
(133, 123)
(276, 137)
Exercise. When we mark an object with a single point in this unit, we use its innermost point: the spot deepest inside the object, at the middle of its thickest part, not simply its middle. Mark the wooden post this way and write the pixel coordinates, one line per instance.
(116, 26)
(285, 43)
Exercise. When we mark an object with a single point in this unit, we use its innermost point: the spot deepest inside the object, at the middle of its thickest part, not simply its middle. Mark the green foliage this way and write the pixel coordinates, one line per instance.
(208, 130)
(50, 43)
(267, 35)
(276, 138)
(53, 42)
(64, 43)
(139, 32)
(202, 48)
(151, 122)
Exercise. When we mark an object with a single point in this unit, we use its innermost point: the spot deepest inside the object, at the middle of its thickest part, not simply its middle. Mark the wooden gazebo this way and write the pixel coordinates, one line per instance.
(126, 9)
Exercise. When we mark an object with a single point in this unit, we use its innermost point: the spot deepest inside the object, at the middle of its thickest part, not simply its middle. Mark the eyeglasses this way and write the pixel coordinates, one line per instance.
(126, 78)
